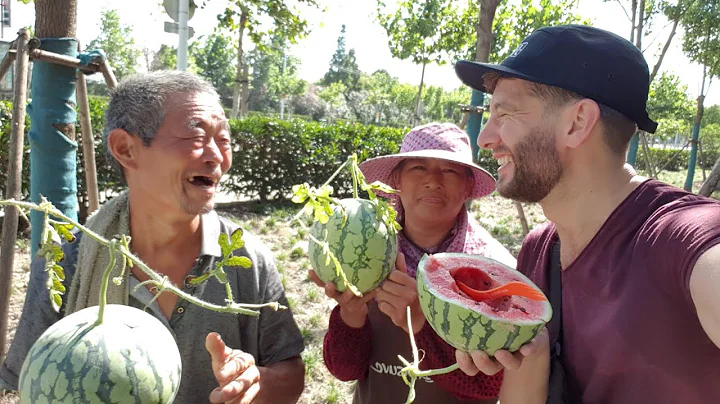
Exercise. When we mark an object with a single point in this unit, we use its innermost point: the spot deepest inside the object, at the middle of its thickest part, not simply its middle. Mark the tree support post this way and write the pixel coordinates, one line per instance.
(14, 183)
(88, 144)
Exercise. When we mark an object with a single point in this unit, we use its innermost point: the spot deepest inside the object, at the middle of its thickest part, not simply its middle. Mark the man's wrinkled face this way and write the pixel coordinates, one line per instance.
(182, 167)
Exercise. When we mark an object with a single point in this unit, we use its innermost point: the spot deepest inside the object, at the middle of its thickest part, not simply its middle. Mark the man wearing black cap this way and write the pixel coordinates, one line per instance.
(638, 261)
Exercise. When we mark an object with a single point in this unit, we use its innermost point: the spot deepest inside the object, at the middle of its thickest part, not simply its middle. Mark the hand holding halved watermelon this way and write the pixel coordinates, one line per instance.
(484, 328)
(472, 363)
(505, 323)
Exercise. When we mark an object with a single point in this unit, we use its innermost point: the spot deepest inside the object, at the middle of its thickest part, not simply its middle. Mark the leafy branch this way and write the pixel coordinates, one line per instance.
(54, 231)
(320, 204)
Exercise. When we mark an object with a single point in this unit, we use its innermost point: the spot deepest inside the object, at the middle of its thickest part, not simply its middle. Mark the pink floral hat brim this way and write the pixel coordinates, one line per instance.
(380, 169)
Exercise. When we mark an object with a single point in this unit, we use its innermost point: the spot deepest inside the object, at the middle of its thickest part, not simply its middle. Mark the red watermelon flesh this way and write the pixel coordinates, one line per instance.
(483, 275)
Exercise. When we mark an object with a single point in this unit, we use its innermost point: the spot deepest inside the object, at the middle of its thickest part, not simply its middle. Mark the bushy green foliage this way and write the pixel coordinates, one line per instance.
(5, 126)
(270, 156)
(666, 159)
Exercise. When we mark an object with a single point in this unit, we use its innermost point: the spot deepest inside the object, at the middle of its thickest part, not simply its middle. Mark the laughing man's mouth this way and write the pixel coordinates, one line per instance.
(202, 181)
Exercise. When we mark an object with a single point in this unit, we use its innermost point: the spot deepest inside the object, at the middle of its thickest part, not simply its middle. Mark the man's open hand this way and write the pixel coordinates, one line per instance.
(235, 371)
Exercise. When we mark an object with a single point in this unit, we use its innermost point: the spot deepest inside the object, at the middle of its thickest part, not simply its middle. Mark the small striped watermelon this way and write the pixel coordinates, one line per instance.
(466, 324)
(363, 244)
(130, 357)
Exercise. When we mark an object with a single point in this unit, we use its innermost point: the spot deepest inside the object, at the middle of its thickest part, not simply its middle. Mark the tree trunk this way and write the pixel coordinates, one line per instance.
(486, 15)
(245, 91)
(633, 12)
(484, 29)
(419, 96)
(640, 24)
(656, 68)
(237, 91)
(695, 137)
(482, 54)
(636, 38)
(53, 150)
(711, 183)
(55, 18)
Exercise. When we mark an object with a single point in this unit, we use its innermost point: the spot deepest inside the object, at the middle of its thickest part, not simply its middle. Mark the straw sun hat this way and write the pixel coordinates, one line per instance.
(443, 141)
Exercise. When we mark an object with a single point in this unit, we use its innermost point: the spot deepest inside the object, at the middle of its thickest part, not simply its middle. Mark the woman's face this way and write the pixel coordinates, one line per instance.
(432, 191)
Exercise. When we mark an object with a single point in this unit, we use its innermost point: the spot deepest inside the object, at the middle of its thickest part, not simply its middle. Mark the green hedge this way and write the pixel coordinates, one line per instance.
(667, 159)
(270, 156)
(5, 126)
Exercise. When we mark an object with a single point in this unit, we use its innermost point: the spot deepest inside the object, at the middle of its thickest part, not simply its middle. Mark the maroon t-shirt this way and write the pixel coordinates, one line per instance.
(630, 329)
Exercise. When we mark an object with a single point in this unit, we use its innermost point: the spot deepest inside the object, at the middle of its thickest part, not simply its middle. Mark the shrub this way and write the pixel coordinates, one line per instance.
(667, 159)
(270, 156)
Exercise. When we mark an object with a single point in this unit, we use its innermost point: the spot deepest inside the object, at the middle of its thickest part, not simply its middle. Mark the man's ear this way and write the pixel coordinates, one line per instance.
(123, 146)
(581, 120)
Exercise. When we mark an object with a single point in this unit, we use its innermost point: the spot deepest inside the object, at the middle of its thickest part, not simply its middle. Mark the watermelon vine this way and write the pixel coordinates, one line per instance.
(411, 372)
(53, 231)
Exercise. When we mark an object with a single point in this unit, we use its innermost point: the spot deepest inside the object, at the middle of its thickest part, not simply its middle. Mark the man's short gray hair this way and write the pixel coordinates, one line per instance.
(137, 105)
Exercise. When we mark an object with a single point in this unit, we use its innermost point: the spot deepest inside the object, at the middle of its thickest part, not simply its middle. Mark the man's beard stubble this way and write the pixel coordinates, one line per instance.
(537, 168)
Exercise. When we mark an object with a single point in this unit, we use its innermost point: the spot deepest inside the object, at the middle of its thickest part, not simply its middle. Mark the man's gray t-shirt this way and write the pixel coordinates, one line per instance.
(270, 338)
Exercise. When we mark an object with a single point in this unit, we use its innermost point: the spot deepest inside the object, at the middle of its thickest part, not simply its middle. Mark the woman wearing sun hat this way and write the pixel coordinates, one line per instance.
(435, 176)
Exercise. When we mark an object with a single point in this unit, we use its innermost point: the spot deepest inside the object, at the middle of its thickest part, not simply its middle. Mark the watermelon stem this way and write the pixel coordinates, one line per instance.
(411, 372)
(355, 169)
(52, 251)
(105, 280)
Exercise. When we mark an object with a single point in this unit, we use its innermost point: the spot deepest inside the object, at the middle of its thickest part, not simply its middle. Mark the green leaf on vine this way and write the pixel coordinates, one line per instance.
(63, 230)
(243, 262)
(224, 242)
(236, 242)
(56, 301)
(200, 279)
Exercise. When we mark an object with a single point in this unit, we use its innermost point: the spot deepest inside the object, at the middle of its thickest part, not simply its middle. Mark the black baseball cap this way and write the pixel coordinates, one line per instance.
(589, 61)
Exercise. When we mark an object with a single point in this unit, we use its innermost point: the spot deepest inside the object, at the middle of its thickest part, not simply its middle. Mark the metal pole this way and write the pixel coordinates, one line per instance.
(88, 144)
(183, 9)
(14, 183)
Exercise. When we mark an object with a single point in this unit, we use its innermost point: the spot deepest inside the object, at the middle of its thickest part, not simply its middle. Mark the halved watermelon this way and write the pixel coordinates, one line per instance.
(466, 324)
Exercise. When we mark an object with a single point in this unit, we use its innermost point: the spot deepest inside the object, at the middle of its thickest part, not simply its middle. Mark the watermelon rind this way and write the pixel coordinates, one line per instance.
(130, 358)
(364, 245)
(468, 330)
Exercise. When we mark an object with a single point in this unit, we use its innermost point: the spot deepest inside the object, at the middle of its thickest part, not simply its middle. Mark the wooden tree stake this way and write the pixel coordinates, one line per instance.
(14, 182)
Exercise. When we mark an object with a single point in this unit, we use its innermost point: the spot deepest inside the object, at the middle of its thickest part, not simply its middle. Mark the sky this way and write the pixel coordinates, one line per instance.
(363, 34)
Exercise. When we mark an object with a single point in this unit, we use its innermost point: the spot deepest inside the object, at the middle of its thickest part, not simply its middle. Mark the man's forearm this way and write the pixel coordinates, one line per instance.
(281, 382)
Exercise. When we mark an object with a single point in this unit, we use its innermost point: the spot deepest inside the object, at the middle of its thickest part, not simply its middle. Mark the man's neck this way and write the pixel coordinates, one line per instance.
(161, 232)
(583, 201)
(427, 235)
